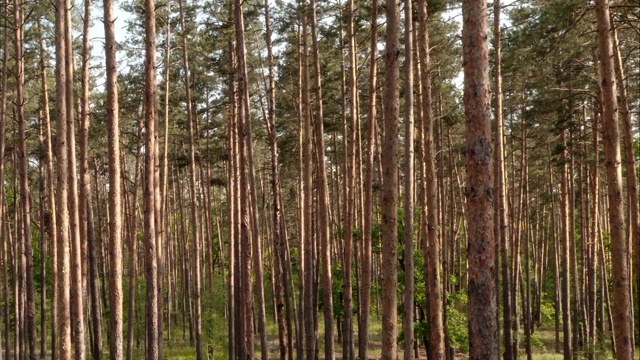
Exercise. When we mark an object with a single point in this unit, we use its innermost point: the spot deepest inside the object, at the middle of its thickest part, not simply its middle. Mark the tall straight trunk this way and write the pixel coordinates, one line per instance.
(192, 186)
(284, 332)
(324, 231)
(115, 209)
(365, 286)
(630, 165)
(86, 228)
(246, 229)
(308, 255)
(409, 137)
(483, 343)
(622, 297)
(350, 190)
(151, 260)
(23, 171)
(430, 230)
(592, 247)
(500, 217)
(50, 195)
(77, 288)
(232, 193)
(62, 185)
(389, 281)
(3, 213)
(564, 215)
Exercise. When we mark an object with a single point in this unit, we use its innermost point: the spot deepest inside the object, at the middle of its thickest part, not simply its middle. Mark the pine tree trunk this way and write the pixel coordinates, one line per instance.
(483, 342)
(389, 281)
(62, 186)
(192, 187)
(25, 201)
(611, 139)
(365, 286)
(115, 209)
(501, 225)
(151, 260)
(409, 175)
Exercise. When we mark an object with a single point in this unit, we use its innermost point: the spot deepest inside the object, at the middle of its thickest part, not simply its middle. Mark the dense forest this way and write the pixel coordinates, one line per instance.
(340, 179)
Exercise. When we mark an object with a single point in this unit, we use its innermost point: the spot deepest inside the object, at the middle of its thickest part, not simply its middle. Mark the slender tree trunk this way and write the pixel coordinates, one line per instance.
(500, 216)
(564, 215)
(24, 180)
(389, 279)
(246, 229)
(365, 286)
(151, 260)
(432, 245)
(483, 343)
(115, 209)
(324, 231)
(3, 212)
(192, 186)
(62, 186)
(409, 175)
(622, 297)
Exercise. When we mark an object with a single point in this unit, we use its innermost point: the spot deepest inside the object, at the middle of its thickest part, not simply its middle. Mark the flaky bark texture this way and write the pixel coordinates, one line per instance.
(389, 280)
(483, 342)
(611, 139)
(115, 209)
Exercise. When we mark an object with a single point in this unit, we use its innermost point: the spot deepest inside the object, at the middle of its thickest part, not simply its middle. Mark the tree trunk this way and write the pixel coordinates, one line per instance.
(500, 216)
(409, 175)
(365, 286)
(192, 187)
(115, 209)
(619, 249)
(483, 343)
(62, 185)
(151, 260)
(389, 281)
(25, 201)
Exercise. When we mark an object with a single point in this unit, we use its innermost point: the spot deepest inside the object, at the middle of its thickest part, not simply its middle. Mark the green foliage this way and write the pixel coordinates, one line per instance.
(458, 330)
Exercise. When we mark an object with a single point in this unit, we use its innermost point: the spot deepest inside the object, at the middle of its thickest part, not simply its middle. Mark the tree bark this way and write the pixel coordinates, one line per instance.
(611, 139)
(151, 259)
(483, 343)
(389, 281)
(62, 185)
(115, 208)
(365, 286)
(409, 175)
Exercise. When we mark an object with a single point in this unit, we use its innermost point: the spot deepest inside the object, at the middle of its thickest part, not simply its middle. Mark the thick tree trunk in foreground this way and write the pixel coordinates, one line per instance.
(611, 139)
(389, 281)
(483, 342)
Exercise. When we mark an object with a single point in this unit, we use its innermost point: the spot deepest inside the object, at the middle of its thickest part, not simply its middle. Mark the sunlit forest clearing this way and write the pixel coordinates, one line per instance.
(302, 179)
